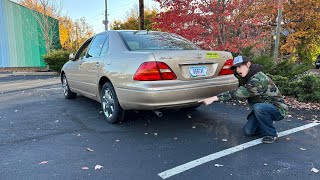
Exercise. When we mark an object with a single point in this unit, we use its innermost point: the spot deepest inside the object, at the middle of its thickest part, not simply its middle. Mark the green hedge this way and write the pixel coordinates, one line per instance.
(56, 59)
(291, 78)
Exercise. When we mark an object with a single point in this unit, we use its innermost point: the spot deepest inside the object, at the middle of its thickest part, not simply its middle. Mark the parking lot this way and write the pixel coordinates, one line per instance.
(44, 136)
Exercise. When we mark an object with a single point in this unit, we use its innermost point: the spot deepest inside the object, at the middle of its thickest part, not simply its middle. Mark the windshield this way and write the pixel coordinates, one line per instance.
(151, 40)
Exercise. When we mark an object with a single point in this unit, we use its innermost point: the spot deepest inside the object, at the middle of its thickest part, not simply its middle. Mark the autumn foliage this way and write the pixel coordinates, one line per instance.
(214, 24)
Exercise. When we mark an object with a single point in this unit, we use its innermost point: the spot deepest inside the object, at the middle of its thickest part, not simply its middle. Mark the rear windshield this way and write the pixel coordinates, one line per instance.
(151, 40)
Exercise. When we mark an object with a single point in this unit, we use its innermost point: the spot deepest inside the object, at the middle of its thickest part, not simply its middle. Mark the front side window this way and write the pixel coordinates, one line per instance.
(151, 40)
(83, 50)
(96, 46)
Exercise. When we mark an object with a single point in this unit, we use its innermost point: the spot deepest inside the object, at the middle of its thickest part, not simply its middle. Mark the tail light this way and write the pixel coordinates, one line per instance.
(226, 68)
(154, 71)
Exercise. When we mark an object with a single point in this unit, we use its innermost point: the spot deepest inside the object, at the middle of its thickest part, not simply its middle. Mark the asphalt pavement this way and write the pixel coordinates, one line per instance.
(44, 136)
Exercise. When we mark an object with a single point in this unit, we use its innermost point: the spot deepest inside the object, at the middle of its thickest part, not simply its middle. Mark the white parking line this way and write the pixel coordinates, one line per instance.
(184, 167)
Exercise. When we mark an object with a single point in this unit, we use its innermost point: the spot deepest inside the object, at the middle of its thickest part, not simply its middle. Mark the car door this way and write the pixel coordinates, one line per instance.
(74, 74)
(91, 66)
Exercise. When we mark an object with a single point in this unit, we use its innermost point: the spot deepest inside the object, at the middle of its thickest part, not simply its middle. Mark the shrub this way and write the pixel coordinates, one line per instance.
(308, 88)
(266, 61)
(305, 88)
(56, 59)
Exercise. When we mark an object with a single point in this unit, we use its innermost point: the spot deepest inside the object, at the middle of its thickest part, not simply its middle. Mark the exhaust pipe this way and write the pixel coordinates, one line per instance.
(158, 113)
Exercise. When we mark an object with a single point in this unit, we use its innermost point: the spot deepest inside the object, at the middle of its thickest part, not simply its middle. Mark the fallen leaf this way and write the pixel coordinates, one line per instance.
(218, 165)
(44, 162)
(84, 168)
(303, 149)
(225, 140)
(314, 170)
(89, 149)
(97, 167)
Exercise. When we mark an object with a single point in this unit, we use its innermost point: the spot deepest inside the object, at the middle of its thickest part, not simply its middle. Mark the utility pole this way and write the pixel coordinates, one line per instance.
(106, 16)
(279, 19)
(141, 14)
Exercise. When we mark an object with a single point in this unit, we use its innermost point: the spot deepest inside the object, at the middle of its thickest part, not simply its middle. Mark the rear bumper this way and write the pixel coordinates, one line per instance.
(178, 94)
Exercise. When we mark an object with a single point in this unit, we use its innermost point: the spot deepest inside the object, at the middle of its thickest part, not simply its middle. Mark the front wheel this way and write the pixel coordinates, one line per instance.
(110, 104)
(68, 94)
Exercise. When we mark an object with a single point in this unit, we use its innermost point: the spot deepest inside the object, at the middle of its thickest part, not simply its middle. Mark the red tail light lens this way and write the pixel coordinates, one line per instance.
(226, 68)
(154, 71)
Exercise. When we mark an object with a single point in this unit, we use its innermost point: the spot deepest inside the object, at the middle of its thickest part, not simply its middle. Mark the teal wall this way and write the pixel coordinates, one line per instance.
(21, 40)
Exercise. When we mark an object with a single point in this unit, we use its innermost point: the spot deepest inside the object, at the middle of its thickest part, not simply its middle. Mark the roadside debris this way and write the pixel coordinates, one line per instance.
(78, 135)
(315, 170)
(189, 116)
(44, 162)
(288, 139)
(85, 168)
(224, 140)
(90, 150)
(303, 149)
(117, 140)
(16, 110)
(218, 165)
(175, 138)
(193, 127)
(145, 133)
(265, 164)
(97, 167)
(156, 134)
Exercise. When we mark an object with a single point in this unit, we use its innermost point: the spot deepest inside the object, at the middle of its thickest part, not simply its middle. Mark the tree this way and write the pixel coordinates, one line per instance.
(302, 23)
(132, 20)
(214, 24)
(44, 11)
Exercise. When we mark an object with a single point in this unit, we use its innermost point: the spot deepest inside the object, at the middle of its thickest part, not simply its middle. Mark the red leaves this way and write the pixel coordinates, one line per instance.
(219, 25)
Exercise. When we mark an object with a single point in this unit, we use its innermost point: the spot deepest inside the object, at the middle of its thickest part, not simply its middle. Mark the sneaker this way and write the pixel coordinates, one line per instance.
(269, 139)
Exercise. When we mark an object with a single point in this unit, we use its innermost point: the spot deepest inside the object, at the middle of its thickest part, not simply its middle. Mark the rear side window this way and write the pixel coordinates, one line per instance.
(151, 40)
(96, 46)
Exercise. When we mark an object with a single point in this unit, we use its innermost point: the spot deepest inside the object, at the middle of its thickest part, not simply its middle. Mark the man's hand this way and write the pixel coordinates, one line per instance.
(210, 100)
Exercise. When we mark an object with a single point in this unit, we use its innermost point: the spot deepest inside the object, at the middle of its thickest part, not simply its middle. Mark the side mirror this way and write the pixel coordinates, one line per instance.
(71, 57)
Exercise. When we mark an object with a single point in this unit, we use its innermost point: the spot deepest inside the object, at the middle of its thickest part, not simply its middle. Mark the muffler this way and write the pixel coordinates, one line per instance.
(158, 113)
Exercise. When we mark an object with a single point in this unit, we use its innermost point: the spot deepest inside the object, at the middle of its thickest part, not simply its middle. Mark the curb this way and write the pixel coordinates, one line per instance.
(35, 73)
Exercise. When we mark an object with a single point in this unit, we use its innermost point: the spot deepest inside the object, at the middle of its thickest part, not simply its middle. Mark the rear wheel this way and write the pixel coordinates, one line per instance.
(68, 94)
(110, 104)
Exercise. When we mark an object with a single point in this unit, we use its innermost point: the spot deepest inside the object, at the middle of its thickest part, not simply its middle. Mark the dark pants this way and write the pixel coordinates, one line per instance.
(260, 120)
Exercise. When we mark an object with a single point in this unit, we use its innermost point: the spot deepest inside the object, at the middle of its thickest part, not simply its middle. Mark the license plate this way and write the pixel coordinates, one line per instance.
(198, 71)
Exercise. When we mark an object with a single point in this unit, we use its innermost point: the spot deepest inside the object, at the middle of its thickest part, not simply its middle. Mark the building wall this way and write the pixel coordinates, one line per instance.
(21, 40)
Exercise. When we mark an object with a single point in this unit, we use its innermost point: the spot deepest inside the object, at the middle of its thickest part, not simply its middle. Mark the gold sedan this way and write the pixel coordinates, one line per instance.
(145, 70)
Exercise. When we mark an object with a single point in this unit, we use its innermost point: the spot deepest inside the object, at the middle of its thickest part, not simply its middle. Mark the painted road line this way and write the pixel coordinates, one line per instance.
(184, 167)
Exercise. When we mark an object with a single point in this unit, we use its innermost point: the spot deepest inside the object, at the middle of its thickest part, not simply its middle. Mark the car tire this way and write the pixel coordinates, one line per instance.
(111, 108)
(68, 94)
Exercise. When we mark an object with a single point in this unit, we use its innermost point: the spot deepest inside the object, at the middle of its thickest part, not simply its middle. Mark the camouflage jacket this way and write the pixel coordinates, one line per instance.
(259, 89)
